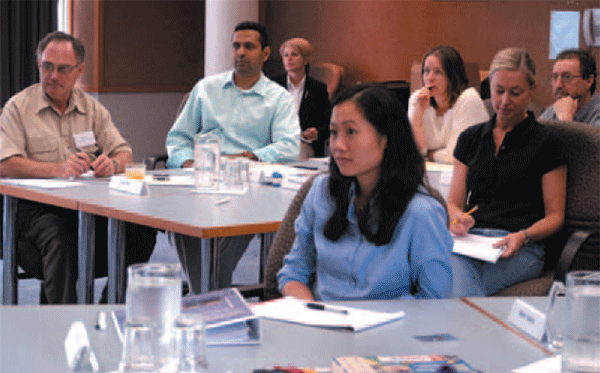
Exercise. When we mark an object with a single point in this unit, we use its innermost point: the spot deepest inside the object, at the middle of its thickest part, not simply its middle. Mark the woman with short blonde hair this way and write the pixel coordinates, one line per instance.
(310, 96)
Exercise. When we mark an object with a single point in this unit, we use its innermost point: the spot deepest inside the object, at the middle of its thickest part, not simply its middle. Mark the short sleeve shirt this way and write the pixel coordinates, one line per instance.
(507, 187)
(31, 128)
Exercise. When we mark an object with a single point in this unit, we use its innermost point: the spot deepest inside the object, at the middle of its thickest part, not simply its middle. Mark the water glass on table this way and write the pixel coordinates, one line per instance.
(138, 346)
(233, 175)
(575, 331)
(207, 161)
(154, 292)
(190, 343)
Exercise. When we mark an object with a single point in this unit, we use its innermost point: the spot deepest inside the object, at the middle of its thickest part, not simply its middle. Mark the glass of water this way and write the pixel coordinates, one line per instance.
(207, 160)
(138, 354)
(190, 343)
(154, 292)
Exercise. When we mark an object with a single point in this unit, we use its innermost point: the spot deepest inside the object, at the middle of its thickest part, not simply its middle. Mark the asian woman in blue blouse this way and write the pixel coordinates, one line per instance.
(372, 228)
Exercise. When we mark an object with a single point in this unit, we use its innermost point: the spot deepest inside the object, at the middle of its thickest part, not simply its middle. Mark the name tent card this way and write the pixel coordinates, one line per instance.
(78, 351)
(528, 319)
(132, 186)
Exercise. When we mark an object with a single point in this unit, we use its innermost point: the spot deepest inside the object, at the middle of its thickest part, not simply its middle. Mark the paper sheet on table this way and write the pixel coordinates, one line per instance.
(44, 183)
(294, 310)
(547, 365)
(478, 247)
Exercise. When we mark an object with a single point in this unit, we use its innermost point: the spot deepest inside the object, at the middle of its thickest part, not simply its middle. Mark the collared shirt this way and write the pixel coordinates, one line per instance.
(590, 113)
(30, 127)
(296, 91)
(415, 263)
(507, 187)
(261, 119)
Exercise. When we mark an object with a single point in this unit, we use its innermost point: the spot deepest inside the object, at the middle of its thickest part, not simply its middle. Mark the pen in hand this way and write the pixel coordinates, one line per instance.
(96, 154)
(322, 307)
(466, 214)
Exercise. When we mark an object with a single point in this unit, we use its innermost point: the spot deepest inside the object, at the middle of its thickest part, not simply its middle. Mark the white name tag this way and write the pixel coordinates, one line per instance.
(84, 139)
(123, 184)
(528, 319)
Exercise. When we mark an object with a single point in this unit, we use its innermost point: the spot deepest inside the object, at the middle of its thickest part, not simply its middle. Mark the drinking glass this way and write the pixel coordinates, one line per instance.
(138, 354)
(233, 175)
(190, 337)
(207, 160)
(577, 331)
(154, 292)
(136, 171)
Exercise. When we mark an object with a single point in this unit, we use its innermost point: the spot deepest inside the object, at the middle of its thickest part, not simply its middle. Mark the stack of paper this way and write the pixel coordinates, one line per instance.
(478, 247)
(323, 315)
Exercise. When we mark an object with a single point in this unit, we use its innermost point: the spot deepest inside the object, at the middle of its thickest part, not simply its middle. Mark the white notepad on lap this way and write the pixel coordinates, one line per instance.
(478, 247)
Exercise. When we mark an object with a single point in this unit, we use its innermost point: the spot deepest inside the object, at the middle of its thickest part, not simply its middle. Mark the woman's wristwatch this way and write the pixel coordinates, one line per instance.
(527, 238)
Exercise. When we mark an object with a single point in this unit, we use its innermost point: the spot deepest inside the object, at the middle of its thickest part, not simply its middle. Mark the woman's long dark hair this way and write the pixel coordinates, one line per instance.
(455, 70)
(402, 167)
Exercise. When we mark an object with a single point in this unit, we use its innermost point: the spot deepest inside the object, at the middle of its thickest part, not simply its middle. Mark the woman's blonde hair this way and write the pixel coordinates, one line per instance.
(514, 59)
(302, 45)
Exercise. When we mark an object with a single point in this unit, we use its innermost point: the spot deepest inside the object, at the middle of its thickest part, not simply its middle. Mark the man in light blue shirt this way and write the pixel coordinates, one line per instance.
(253, 117)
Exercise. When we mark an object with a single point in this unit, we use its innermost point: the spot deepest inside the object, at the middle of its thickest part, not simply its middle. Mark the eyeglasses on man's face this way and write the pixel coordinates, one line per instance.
(48, 67)
(564, 78)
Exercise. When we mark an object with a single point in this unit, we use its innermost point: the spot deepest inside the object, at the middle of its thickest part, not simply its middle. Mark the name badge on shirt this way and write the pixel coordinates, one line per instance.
(84, 139)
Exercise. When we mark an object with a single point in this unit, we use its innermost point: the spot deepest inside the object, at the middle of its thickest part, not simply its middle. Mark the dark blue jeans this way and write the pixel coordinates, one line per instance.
(476, 278)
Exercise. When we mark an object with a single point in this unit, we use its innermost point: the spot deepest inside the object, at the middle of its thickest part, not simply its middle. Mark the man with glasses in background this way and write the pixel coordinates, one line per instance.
(54, 130)
(574, 78)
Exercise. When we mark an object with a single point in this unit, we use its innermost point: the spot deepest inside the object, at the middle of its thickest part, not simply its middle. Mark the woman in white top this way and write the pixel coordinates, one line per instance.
(445, 106)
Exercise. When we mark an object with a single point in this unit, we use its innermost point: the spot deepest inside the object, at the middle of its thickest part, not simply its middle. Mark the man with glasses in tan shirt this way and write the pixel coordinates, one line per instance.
(574, 77)
(54, 130)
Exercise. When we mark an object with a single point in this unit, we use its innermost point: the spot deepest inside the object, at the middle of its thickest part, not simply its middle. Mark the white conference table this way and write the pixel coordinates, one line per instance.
(171, 208)
(32, 339)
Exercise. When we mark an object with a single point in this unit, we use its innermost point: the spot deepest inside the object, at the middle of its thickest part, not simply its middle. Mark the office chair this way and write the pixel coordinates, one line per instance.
(282, 243)
(152, 161)
(330, 74)
(577, 246)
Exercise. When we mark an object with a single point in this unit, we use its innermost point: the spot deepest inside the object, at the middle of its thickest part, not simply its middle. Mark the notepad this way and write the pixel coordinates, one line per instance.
(296, 311)
(478, 247)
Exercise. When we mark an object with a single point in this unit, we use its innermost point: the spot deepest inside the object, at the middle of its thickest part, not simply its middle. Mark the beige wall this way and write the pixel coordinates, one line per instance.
(377, 40)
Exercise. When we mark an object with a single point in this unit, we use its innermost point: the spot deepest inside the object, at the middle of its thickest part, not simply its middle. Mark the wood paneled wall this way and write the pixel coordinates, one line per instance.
(377, 40)
(140, 45)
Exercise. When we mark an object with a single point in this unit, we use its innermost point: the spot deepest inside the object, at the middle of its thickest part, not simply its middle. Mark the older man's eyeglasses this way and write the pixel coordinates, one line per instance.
(564, 78)
(49, 67)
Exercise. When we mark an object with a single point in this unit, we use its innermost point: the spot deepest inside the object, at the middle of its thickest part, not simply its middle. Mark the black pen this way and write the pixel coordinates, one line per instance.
(322, 307)
(97, 153)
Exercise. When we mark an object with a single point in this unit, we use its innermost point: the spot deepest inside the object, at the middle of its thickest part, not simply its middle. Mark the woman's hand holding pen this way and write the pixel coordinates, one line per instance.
(462, 222)
(423, 97)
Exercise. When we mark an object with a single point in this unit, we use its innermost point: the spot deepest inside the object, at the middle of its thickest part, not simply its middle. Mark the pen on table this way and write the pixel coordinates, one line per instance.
(466, 214)
(222, 201)
(322, 307)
